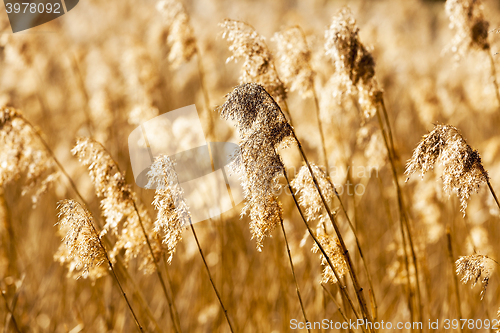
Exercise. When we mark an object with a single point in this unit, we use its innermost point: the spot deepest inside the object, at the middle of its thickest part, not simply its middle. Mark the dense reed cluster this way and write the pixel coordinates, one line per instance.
(325, 228)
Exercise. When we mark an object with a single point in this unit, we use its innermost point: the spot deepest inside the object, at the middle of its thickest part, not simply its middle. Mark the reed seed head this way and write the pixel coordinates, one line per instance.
(474, 268)
(463, 172)
(309, 197)
(22, 152)
(180, 38)
(352, 60)
(333, 249)
(295, 58)
(247, 45)
(81, 250)
(119, 204)
(263, 129)
(466, 16)
(173, 212)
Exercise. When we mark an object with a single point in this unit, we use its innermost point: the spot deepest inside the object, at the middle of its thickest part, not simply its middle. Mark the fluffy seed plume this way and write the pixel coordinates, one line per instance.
(474, 268)
(81, 249)
(22, 152)
(173, 212)
(180, 38)
(352, 60)
(117, 204)
(309, 197)
(333, 250)
(246, 44)
(263, 129)
(295, 57)
(463, 171)
(466, 16)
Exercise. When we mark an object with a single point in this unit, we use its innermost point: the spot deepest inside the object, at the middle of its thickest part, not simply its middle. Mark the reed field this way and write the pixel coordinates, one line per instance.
(369, 162)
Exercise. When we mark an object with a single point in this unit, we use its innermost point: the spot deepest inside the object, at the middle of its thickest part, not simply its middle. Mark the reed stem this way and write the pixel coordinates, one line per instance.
(210, 277)
(13, 319)
(293, 273)
(358, 289)
(158, 272)
(402, 216)
(454, 276)
(343, 287)
(139, 326)
(336, 304)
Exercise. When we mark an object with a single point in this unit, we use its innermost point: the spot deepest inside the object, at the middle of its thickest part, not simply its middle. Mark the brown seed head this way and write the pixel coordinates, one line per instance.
(263, 129)
(81, 249)
(352, 59)
(466, 16)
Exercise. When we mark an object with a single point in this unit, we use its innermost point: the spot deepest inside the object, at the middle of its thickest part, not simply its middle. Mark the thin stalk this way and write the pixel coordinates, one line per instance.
(336, 304)
(13, 319)
(136, 292)
(206, 98)
(455, 280)
(494, 74)
(358, 244)
(493, 193)
(316, 104)
(162, 282)
(170, 290)
(343, 287)
(139, 327)
(81, 85)
(320, 127)
(157, 268)
(210, 277)
(293, 273)
(350, 266)
(402, 216)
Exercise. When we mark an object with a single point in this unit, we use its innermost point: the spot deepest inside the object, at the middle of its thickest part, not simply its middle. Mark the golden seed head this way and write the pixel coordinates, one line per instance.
(81, 249)
(333, 250)
(173, 212)
(247, 45)
(295, 58)
(352, 60)
(474, 268)
(309, 197)
(180, 38)
(117, 204)
(22, 153)
(463, 172)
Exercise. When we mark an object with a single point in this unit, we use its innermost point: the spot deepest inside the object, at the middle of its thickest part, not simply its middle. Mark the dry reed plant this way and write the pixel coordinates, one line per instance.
(463, 172)
(361, 94)
(258, 62)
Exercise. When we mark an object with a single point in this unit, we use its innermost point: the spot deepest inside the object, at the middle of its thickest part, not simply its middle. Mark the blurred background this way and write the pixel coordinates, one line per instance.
(103, 68)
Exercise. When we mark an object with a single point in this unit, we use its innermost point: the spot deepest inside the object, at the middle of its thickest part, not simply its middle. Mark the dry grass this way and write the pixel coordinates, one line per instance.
(334, 108)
